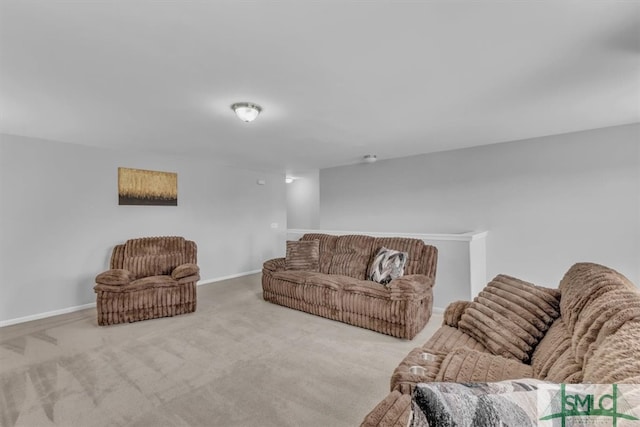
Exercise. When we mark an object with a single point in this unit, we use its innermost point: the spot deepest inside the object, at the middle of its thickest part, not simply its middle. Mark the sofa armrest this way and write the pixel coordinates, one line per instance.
(411, 287)
(453, 313)
(275, 264)
(185, 270)
(114, 277)
(393, 411)
(464, 365)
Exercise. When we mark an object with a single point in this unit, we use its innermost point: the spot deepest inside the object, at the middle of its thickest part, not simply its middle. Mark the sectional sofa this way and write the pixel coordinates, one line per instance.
(586, 331)
(334, 283)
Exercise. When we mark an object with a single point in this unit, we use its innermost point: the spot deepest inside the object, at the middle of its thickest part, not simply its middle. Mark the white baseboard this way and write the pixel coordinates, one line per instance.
(231, 276)
(38, 316)
(438, 310)
(45, 314)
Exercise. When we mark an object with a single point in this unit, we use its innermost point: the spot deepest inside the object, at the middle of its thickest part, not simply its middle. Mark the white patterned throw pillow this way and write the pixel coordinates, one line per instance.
(387, 265)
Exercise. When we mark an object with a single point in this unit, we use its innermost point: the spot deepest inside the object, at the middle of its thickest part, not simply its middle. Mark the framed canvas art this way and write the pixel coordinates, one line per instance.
(145, 187)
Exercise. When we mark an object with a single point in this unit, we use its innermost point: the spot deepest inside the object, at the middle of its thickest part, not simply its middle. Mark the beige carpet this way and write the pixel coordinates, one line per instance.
(237, 361)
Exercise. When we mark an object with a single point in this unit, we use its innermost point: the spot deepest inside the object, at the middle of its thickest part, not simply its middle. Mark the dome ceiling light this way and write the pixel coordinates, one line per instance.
(246, 111)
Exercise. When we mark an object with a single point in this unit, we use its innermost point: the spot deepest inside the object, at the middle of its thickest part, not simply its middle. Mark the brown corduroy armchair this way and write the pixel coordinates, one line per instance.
(149, 277)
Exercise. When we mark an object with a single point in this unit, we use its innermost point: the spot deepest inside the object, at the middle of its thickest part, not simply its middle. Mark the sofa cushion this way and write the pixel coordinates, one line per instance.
(352, 265)
(585, 282)
(553, 359)
(322, 290)
(296, 277)
(327, 244)
(603, 317)
(388, 264)
(154, 245)
(616, 359)
(453, 313)
(466, 365)
(510, 316)
(153, 265)
(328, 281)
(602, 301)
(148, 282)
(447, 338)
(565, 370)
(303, 255)
(351, 256)
(367, 287)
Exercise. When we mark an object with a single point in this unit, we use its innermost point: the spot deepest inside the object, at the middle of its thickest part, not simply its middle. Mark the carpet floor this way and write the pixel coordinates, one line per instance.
(236, 361)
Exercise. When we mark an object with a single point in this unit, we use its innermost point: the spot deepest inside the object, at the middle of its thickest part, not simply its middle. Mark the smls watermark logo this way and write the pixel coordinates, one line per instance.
(575, 405)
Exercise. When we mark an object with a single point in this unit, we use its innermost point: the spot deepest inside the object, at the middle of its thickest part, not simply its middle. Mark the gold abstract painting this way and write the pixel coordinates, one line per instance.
(144, 187)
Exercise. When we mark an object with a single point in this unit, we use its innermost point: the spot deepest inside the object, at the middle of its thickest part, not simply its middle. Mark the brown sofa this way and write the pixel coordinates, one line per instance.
(337, 289)
(590, 334)
(148, 278)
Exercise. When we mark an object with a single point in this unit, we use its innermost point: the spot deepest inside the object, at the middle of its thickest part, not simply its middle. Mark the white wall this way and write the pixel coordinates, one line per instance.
(303, 201)
(547, 202)
(59, 219)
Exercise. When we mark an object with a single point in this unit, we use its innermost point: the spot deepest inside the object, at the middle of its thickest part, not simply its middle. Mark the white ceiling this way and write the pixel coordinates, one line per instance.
(337, 79)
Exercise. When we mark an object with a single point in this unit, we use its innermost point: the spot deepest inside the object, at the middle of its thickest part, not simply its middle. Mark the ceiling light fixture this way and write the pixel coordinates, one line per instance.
(288, 180)
(246, 111)
(370, 158)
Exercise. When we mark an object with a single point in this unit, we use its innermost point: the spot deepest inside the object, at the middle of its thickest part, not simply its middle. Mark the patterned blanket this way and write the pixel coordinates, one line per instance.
(526, 402)
(506, 403)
